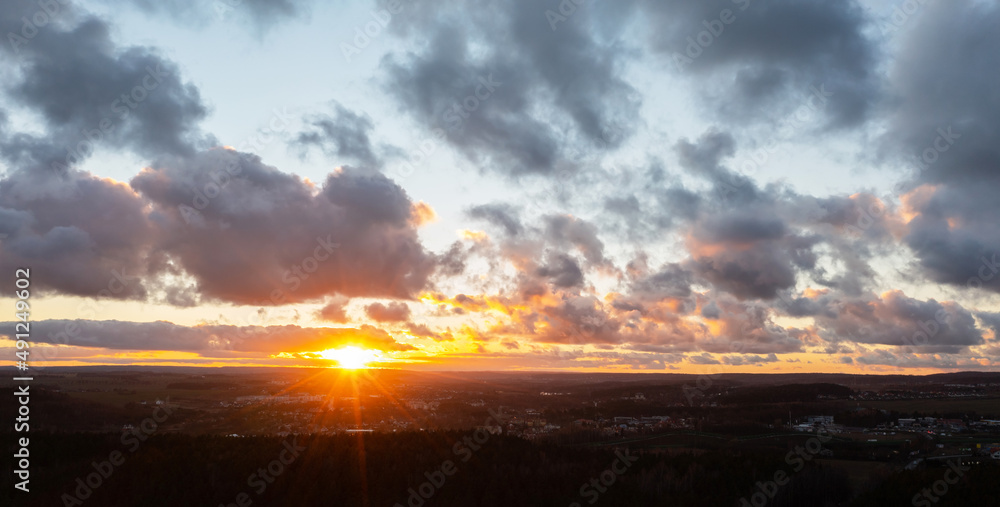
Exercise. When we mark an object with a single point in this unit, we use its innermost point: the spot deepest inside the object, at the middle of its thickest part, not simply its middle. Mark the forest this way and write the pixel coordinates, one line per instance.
(445, 468)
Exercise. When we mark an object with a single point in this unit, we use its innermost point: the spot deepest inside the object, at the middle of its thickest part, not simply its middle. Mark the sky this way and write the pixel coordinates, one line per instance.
(763, 186)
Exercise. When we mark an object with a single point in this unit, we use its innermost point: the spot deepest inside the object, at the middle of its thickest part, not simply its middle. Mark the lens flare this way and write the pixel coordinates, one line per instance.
(351, 358)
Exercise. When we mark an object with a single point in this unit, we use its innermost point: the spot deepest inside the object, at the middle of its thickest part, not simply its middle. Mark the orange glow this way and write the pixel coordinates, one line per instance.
(701, 248)
(473, 235)
(423, 213)
(915, 200)
(814, 293)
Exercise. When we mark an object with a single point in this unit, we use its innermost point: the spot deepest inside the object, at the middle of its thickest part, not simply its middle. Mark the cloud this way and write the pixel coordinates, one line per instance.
(566, 230)
(343, 134)
(218, 225)
(740, 240)
(353, 236)
(703, 359)
(751, 270)
(335, 310)
(509, 92)
(392, 312)
(992, 321)
(423, 331)
(944, 125)
(759, 242)
(954, 233)
(671, 281)
(499, 214)
(562, 270)
(749, 359)
(769, 51)
(895, 319)
(82, 235)
(746, 328)
(911, 360)
(90, 92)
(262, 14)
(209, 340)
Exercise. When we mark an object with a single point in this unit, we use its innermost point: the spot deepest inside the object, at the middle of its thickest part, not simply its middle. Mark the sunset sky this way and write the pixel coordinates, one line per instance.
(607, 185)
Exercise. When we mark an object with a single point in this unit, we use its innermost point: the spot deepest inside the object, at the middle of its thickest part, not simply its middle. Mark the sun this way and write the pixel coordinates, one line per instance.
(351, 358)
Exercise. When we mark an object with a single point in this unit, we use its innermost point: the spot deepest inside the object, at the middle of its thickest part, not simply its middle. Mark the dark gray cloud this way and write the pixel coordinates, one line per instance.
(755, 268)
(500, 214)
(22, 20)
(946, 126)
(756, 242)
(553, 92)
(944, 82)
(356, 235)
(86, 235)
(955, 234)
(625, 206)
(343, 134)
(670, 281)
(453, 261)
(740, 240)
(567, 230)
(90, 92)
(771, 53)
(800, 306)
(81, 234)
(261, 14)
(704, 156)
(562, 271)
(245, 232)
(895, 319)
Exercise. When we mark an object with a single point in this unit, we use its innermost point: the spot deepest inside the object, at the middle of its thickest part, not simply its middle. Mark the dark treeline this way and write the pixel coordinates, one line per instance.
(380, 470)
